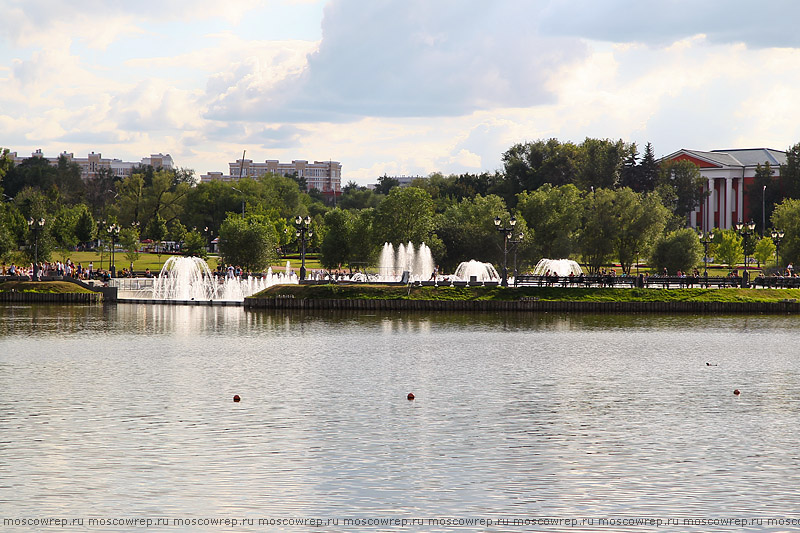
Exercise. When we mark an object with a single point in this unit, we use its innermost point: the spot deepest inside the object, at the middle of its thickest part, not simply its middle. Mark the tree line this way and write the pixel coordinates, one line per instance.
(598, 201)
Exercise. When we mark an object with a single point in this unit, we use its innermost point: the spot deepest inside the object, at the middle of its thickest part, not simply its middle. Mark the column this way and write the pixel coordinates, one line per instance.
(710, 206)
(728, 203)
(740, 204)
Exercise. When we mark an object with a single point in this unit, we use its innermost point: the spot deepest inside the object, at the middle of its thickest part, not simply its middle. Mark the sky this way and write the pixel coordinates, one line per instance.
(405, 87)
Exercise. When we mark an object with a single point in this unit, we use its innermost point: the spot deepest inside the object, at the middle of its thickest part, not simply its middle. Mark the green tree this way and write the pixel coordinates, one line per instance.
(177, 231)
(164, 198)
(405, 215)
(129, 239)
(101, 191)
(682, 187)
(208, 204)
(68, 180)
(279, 194)
(468, 231)
(363, 248)
(640, 221)
(386, 184)
(728, 248)
(679, 250)
(648, 171)
(787, 218)
(359, 198)
(790, 173)
(6, 163)
(765, 250)
(130, 204)
(530, 165)
(556, 214)
(64, 229)
(629, 173)
(34, 172)
(600, 229)
(13, 229)
(194, 245)
(249, 243)
(336, 243)
(600, 163)
(156, 230)
(85, 227)
(35, 206)
(763, 188)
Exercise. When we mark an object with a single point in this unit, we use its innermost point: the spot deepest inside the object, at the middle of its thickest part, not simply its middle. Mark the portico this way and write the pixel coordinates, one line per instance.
(728, 173)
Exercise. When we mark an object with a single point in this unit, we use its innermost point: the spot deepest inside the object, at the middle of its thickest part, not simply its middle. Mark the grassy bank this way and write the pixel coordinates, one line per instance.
(43, 287)
(398, 292)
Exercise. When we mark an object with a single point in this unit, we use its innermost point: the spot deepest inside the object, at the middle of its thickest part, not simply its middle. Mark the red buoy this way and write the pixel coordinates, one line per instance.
(410, 396)
(736, 392)
(236, 398)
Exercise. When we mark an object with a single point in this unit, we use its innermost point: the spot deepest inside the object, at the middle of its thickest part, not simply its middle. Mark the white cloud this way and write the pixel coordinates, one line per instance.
(412, 59)
(393, 87)
(769, 23)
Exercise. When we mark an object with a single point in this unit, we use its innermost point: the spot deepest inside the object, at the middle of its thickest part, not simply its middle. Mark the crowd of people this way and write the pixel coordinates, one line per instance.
(36, 271)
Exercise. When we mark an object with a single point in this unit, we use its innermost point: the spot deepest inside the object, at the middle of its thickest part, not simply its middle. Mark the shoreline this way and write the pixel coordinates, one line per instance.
(529, 306)
(396, 297)
(527, 299)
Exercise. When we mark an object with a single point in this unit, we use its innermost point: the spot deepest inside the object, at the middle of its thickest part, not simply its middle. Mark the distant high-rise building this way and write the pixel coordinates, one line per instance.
(324, 176)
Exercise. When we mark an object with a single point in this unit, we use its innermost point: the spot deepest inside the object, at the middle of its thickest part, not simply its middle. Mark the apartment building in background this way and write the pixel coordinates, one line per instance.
(91, 164)
(325, 176)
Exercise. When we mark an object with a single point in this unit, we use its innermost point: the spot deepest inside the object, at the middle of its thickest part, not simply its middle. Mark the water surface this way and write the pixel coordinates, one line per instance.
(127, 411)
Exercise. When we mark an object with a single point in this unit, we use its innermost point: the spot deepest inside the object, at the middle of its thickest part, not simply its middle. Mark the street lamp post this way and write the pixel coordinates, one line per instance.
(101, 227)
(745, 230)
(36, 226)
(209, 238)
(706, 240)
(506, 234)
(135, 226)
(763, 211)
(304, 233)
(516, 242)
(777, 235)
(113, 232)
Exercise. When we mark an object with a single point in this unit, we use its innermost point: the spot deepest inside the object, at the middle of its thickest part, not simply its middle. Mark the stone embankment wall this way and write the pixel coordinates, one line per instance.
(783, 307)
(47, 297)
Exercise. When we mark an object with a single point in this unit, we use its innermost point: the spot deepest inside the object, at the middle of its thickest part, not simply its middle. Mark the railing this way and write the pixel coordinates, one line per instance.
(666, 282)
(131, 284)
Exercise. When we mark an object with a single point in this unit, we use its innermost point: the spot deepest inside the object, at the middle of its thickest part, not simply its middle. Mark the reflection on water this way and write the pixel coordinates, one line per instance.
(126, 410)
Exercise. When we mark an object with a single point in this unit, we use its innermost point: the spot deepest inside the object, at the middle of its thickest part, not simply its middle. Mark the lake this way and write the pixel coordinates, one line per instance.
(124, 413)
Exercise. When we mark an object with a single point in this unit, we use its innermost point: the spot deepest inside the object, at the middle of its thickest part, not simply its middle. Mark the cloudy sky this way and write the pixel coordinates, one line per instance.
(393, 86)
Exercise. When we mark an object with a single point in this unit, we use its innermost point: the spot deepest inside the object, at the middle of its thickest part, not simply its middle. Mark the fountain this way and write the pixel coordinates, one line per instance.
(189, 279)
(481, 271)
(557, 267)
(418, 263)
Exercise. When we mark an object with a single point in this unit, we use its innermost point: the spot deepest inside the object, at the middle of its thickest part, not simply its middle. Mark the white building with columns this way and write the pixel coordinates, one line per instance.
(728, 174)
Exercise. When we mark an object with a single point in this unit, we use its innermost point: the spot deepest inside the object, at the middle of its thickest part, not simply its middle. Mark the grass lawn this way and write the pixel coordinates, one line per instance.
(49, 287)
